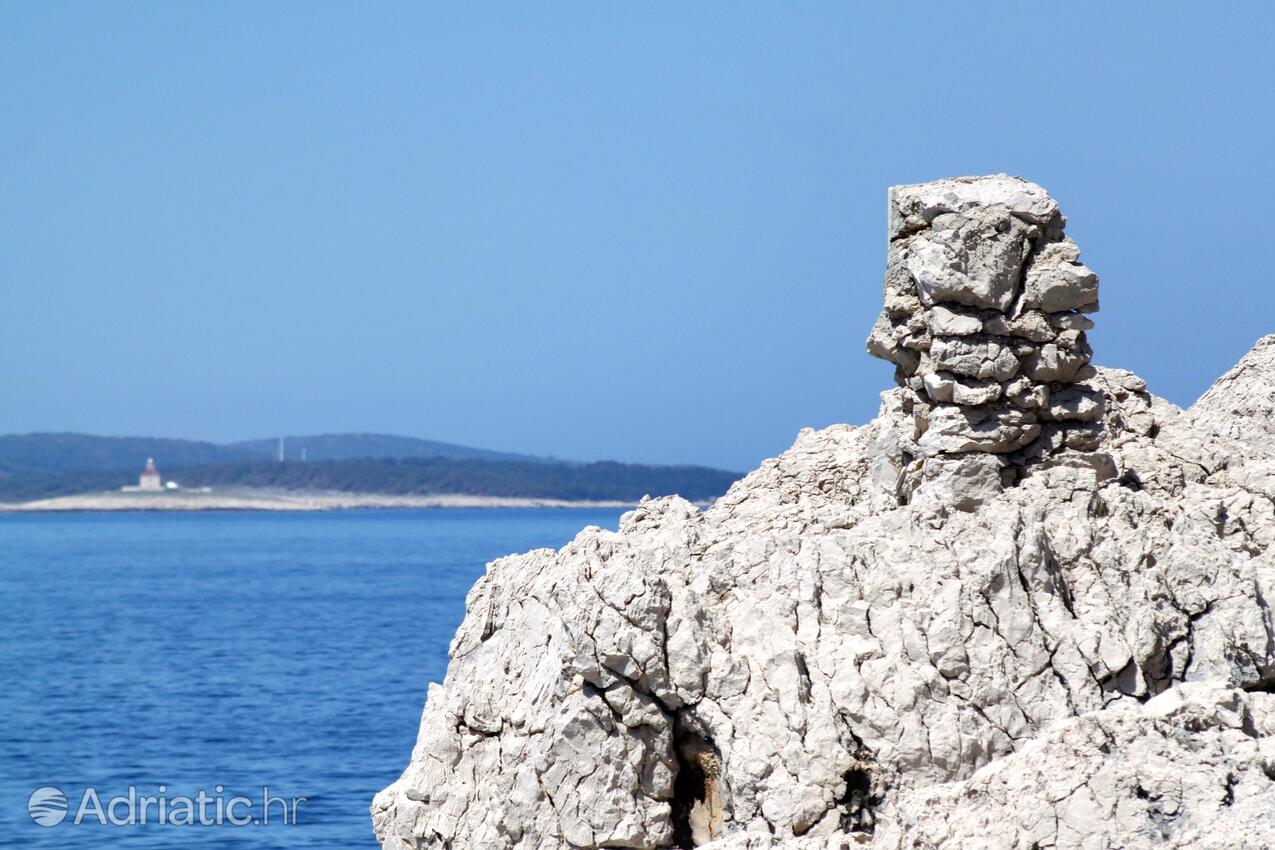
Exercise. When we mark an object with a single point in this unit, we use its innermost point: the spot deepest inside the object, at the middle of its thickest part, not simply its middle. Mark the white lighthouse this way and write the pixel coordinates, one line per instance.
(148, 481)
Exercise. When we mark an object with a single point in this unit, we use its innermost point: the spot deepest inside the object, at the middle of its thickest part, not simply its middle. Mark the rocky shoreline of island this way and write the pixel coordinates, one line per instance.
(254, 499)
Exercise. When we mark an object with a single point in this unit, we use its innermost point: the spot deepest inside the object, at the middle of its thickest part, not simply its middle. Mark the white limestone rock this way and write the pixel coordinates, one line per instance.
(1056, 281)
(952, 322)
(976, 359)
(1077, 403)
(1241, 405)
(1192, 768)
(981, 282)
(1056, 364)
(914, 207)
(1032, 325)
(956, 429)
(974, 259)
(956, 626)
(944, 386)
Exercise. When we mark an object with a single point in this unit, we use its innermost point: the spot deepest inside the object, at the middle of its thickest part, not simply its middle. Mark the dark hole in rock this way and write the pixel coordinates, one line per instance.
(859, 802)
(1124, 680)
(803, 679)
(697, 792)
(1098, 507)
(1130, 481)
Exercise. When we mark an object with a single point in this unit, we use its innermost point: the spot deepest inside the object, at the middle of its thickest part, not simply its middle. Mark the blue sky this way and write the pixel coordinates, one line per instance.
(649, 232)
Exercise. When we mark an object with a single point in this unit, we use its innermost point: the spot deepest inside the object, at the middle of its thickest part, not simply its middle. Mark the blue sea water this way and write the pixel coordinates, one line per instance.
(239, 650)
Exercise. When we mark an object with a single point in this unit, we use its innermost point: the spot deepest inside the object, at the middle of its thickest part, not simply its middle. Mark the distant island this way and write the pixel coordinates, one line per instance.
(323, 472)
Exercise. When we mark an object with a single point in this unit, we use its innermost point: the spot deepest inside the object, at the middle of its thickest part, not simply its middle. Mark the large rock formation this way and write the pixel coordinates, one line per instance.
(984, 319)
(1024, 607)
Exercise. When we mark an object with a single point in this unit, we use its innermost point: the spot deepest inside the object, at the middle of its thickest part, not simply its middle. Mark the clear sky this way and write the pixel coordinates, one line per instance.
(648, 232)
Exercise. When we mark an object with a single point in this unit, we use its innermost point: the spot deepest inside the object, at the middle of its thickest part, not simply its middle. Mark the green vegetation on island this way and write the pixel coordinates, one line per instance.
(45, 466)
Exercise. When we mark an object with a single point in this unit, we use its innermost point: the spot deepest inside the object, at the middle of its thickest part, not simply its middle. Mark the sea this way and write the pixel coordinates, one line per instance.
(228, 680)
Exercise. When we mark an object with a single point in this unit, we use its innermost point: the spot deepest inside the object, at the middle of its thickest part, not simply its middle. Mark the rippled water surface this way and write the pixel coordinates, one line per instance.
(239, 649)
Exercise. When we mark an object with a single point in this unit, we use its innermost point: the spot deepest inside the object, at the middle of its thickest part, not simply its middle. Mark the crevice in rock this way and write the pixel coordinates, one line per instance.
(860, 800)
(1220, 519)
(1191, 620)
(803, 679)
(1130, 480)
(864, 787)
(697, 789)
(1122, 681)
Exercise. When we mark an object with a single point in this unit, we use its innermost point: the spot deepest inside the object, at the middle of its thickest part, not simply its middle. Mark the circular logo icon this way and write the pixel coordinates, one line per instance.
(47, 806)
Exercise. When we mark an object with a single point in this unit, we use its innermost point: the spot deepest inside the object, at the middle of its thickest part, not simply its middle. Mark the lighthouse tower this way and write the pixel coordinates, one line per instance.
(149, 479)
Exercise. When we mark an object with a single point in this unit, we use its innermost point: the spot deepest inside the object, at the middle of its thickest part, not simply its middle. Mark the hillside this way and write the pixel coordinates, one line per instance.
(357, 446)
(603, 481)
(429, 476)
(41, 455)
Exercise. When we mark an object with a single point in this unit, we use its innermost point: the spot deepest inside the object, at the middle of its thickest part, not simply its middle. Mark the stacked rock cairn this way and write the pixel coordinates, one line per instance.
(984, 319)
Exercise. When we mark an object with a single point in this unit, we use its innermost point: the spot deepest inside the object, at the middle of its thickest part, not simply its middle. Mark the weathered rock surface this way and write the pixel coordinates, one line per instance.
(983, 318)
(1026, 606)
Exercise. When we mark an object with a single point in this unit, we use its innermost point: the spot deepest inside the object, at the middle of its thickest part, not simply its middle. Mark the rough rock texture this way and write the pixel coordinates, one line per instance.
(1193, 767)
(984, 318)
(892, 639)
